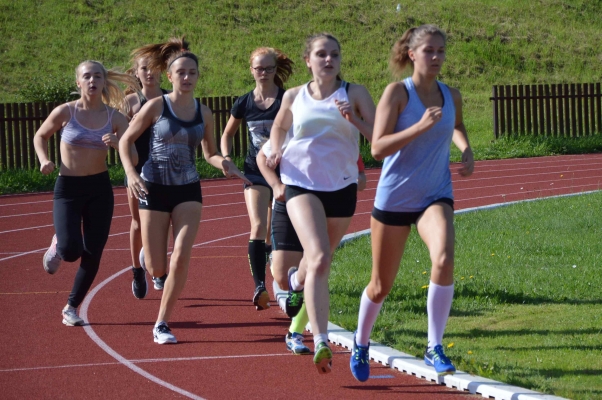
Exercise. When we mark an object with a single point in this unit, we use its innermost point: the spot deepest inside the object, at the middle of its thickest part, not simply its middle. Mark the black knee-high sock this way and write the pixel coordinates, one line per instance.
(257, 261)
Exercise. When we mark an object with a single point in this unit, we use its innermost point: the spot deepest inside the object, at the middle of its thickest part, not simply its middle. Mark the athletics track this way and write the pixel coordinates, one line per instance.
(226, 349)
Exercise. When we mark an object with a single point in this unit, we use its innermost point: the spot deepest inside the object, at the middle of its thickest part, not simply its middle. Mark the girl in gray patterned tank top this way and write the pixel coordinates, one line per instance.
(169, 188)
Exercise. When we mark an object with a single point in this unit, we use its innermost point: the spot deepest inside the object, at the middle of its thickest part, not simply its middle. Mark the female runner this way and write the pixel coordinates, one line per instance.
(416, 121)
(150, 82)
(319, 169)
(168, 190)
(270, 68)
(83, 195)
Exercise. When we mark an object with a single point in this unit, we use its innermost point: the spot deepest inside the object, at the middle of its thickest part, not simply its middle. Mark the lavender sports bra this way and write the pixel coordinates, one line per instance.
(78, 135)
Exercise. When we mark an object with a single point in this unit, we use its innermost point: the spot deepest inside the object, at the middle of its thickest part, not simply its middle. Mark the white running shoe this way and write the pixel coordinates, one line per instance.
(141, 259)
(70, 317)
(162, 334)
(51, 260)
(279, 294)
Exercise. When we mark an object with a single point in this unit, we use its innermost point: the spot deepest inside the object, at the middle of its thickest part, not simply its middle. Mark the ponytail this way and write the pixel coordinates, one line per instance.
(284, 65)
(160, 56)
(410, 40)
(112, 95)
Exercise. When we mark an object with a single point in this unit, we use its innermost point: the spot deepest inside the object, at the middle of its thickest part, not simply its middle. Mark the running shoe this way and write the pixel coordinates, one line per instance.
(294, 300)
(280, 295)
(261, 298)
(159, 283)
(360, 361)
(323, 358)
(437, 358)
(70, 317)
(141, 259)
(162, 334)
(51, 260)
(139, 285)
(294, 343)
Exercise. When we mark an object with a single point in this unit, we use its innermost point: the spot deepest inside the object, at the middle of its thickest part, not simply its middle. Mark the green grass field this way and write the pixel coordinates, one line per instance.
(490, 42)
(527, 308)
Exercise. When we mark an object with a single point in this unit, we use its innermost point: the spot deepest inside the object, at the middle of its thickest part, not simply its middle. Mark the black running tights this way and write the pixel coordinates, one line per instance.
(82, 210)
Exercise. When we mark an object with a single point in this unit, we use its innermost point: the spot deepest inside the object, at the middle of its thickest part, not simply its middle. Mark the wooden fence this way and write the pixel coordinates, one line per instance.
(569, 110)
(20, 121)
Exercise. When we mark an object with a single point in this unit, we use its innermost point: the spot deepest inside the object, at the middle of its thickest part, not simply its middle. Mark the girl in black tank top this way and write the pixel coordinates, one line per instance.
(270, 69)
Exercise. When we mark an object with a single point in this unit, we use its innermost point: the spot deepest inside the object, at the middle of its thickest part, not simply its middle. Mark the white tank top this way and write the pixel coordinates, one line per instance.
(322, 154)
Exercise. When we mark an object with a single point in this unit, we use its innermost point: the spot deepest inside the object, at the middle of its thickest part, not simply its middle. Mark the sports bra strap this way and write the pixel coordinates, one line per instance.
(345, 84)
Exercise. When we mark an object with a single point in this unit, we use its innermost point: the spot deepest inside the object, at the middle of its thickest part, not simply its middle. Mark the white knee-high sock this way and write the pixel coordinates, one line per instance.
(438, 306)
(366, 318)
(296, 286)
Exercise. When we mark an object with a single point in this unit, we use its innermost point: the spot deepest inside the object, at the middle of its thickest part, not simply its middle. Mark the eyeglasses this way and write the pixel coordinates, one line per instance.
(267, 70)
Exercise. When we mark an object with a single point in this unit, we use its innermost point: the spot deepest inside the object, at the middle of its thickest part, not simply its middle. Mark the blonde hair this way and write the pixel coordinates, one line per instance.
(410, 40)
(112, 95)
(309, 42)
(284, 65)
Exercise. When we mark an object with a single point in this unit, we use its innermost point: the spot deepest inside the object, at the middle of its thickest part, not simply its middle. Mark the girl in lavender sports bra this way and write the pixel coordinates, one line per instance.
(75, 134)
(83, 196)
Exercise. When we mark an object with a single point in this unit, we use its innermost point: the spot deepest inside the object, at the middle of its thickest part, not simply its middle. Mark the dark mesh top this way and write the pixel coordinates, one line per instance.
(259, 123)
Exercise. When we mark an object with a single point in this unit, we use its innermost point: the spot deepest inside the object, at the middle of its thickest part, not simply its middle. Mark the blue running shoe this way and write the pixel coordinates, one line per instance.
(360, 361)
(437, 358)
(323, 358)
(294, 300)
(294, 342)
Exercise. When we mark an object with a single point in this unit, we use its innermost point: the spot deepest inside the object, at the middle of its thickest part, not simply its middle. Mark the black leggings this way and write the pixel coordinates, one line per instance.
(82, 203)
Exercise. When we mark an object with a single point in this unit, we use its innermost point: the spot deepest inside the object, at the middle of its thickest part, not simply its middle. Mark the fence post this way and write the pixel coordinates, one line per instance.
(496, 132)
(3, 144)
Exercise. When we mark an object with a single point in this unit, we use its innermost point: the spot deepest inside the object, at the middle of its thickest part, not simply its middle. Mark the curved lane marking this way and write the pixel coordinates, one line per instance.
(122, 360)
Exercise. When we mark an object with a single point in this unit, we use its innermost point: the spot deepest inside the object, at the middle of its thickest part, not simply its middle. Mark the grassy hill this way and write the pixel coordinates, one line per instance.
(490, 41)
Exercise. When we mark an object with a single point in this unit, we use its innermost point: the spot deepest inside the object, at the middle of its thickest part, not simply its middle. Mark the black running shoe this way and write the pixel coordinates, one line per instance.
(139, 285)
(159, 283)
(261, 298)
(294, 299)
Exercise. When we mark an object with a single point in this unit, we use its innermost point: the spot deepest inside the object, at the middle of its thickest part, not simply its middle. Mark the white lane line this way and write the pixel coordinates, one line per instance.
(147, 360)
(112, 234)
(114, 217)
(122, 360)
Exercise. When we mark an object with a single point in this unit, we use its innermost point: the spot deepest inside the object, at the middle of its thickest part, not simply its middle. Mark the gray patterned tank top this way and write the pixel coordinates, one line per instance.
(173, 145)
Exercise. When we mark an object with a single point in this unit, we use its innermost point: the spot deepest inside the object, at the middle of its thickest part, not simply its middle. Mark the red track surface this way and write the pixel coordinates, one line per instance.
(226, 349)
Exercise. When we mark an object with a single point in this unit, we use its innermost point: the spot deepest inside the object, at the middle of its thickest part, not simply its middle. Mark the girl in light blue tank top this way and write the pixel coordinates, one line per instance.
(416, 120)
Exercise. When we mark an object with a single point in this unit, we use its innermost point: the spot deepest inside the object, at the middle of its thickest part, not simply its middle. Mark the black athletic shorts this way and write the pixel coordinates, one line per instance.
(404, 218)
(166, 197)
(284, 236)
(337, 204)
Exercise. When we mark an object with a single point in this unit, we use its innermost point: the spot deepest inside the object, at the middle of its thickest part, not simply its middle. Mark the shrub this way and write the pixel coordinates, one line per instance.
(48, 90)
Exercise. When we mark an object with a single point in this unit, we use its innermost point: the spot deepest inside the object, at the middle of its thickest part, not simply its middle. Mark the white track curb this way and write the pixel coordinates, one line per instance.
(411, 365)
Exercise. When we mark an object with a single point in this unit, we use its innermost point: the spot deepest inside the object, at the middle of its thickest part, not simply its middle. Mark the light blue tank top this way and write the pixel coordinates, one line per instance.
(172, 148)
(418, 174)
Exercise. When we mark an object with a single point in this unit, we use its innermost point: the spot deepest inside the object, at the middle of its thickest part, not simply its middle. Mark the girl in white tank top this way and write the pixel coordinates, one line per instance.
(319, 166)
